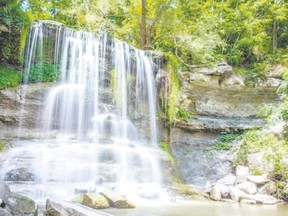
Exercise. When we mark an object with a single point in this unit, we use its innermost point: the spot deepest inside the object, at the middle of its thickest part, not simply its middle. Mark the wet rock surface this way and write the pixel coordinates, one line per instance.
(21, 174)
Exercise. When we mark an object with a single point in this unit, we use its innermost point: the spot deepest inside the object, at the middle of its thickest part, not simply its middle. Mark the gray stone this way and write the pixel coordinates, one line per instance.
(228, 200)
(57, 209)
(23, 204)
(215, 194)
(269, 188)
(20, 174)
(258, 179)
(240, 179)
(230, 79)
(269, 82)
(248, 201)
(217, 70)
(264, 199)
(227, 180)
(237, 194)
(242, 170)
(284, 193)
(224, 189)
(247, 187)
(275, 71)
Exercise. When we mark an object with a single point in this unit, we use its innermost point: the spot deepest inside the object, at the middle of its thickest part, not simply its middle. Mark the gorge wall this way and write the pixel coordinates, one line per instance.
(222, 104)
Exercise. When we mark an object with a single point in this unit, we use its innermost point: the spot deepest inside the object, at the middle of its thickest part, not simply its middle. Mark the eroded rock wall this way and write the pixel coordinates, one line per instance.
(222, 104)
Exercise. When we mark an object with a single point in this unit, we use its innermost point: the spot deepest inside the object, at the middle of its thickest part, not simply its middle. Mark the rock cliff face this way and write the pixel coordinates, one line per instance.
(223, 94)
(14, 113)
(223, 105)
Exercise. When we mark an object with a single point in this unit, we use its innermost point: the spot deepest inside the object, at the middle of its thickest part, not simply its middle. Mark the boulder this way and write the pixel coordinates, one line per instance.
(247, 187)
(23, 204)
(284, 193)
(269, 82)
(264, 199)
(116, 200)
(248, 201)
(230, 79)
(242, 170)
(57, 209)
(215, 193)
(20, 174)
(95, 201)
(227, 180)
(275, 71)
(237, 194)
(219, 69)
(240, 179)
(224, 189)
(269, 188)
(258, 179)
(7, 202)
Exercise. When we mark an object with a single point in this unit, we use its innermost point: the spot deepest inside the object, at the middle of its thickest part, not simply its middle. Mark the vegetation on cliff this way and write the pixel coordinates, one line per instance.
(9, 78)
(245, 33)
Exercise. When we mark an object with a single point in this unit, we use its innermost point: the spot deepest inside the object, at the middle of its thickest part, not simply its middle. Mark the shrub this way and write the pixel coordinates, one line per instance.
(43, 72)
(183, 113)
(8, 78)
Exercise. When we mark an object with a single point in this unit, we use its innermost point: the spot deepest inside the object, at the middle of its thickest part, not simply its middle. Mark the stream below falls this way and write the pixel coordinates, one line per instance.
(202, 209)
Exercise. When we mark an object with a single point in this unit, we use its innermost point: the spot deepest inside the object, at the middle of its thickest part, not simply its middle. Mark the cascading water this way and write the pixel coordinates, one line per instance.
(98, 122)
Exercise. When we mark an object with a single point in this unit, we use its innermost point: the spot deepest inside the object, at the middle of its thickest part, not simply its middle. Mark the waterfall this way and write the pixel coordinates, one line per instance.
(98, 123)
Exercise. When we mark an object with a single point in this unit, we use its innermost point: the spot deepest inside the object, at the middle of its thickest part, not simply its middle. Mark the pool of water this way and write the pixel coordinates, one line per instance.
(202, 209)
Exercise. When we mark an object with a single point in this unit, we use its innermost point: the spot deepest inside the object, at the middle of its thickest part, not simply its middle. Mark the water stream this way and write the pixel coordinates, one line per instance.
(98, 121)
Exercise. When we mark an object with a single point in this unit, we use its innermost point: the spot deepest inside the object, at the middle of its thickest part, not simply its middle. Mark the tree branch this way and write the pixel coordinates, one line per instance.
(109, 22)
(159, 13)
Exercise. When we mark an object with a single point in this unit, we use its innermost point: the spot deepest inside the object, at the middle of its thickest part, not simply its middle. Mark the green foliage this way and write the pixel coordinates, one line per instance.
(224, 142)
(229, 137)
(182, 113)
(8, 78)
(256, 171)
(171, 104)
(219, 146)
(15, 20)
(164, 146)
(43, 72)
(275, 150)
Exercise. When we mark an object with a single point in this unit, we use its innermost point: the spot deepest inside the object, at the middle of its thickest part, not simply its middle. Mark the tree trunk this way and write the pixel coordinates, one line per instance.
(274, 37)
(143, 25)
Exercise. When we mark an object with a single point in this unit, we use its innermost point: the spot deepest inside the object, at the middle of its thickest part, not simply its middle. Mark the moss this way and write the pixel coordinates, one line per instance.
(171, 103)
(2, 146)
(23, 38)
(165, 147)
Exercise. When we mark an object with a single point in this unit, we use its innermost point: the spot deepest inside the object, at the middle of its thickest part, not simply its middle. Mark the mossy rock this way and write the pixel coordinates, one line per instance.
(95, 201)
